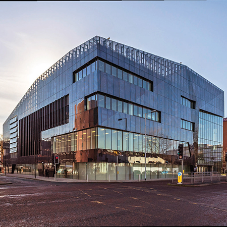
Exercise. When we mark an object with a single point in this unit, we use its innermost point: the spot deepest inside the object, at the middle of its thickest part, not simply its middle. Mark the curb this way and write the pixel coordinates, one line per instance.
(83, 181)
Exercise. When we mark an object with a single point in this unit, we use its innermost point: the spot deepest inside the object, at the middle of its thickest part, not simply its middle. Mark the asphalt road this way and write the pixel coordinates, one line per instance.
(28, 202)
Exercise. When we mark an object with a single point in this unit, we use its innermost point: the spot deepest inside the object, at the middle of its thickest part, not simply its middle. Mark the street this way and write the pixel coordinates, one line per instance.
(28, 202)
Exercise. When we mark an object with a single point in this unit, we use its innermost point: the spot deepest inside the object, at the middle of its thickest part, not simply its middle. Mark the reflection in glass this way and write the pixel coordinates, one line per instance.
(125, 141)
(101, 138)
(119, 140)
(108, 138)
(114, 140)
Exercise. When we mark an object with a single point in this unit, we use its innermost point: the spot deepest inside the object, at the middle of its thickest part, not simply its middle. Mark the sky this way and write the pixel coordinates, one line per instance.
(34, 35)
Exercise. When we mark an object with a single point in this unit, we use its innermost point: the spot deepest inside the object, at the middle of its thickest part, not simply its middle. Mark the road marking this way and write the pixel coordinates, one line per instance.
(133, 198)
(97, 202)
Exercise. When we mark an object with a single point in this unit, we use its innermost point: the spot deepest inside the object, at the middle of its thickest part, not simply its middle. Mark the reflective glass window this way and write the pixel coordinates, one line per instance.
(93, 138)
(119, 140)
(153, 116)
(140, 143)
(114, 104)
(125, 107)
(130, 78)
(114, 140)
(119, 106)
(144, 84)
(76, 141)
(145, 111)
(101, 66)
(93, 66)
(140, 82)
(108, 139)
(101, 138)
(125, 141)
(80, 75)
(93, 101)
(130, 109)
(135, 110)
(125, 76)
(108, 103)
(84, 139)
(149, 144)
(108, 69)
(150, 86)
(135, 80)
(101, 101)
(157, 115)
(130, 141)
(135, 142)
(76, 76)
(88, 103)
(149, 117)
(119, 73)
(80, 140)
(88, 70)
(84, 72)
(114, 71)
(88, 138)
(140, 111)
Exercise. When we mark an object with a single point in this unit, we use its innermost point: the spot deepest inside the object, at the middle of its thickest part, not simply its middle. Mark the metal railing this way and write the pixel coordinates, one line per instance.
(204, 177)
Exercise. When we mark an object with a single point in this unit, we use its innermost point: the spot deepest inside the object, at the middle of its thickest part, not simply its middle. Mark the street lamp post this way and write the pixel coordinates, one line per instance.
(145, 177)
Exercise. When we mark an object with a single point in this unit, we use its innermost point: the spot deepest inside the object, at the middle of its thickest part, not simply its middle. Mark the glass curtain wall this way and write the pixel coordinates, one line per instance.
(210, 141)
(112, 139)
(121, 106)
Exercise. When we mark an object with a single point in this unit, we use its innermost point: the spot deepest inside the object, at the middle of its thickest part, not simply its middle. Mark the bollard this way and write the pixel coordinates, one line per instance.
(202, 177)
(109, 177)
(139, 177)
(87, 177)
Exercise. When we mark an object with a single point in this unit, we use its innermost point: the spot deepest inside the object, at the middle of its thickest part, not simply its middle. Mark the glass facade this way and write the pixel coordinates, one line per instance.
(210, 150)
(114, 71)
(90, 108)
(187, 125)
(110, 103)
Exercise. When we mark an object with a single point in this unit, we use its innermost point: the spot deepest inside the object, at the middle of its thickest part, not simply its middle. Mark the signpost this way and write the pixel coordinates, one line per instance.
(56, 161)
(179, 178)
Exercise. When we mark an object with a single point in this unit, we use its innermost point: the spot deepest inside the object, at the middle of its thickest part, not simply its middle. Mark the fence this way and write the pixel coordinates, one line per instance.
(203, 177)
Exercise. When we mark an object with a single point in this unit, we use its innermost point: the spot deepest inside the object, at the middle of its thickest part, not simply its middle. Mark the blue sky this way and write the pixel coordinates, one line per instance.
(34, 35)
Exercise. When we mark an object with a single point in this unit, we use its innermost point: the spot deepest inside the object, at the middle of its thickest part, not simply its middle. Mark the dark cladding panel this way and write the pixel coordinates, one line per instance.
(30, 127)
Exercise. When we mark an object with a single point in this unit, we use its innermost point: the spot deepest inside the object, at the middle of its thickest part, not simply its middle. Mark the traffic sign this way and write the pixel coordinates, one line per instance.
(180, 178)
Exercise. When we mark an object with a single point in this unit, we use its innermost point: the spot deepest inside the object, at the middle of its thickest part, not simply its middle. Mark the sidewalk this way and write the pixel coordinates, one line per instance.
(68, 180)
(187, 181)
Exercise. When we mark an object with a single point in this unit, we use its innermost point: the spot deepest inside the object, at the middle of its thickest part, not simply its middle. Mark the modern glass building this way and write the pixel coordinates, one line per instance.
(104, 105)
